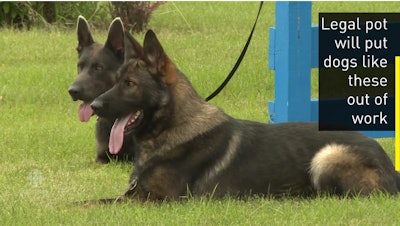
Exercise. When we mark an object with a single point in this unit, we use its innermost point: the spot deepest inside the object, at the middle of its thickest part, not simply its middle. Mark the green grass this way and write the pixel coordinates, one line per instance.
(47, 155)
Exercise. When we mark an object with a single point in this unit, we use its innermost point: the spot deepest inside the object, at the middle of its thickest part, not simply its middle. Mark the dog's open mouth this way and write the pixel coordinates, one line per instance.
(85, 111)
(133, 121)
(123, 126)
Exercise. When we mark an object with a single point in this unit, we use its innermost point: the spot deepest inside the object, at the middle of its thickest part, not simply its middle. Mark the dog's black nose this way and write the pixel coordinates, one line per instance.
(75, 92)
(97, 106)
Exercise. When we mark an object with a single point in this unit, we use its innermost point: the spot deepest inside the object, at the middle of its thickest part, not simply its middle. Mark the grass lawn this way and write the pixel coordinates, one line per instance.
(47, 155)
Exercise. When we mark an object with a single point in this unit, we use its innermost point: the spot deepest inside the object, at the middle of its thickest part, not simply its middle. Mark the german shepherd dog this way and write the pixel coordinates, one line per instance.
(97, 71)
(184, 144)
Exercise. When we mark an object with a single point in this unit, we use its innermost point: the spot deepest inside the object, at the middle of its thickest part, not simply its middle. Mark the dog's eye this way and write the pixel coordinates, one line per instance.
(142, 64)
(130, 83)
(98, 67)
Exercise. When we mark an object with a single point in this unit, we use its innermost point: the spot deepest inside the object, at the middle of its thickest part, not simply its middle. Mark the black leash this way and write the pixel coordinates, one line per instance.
(239, 60)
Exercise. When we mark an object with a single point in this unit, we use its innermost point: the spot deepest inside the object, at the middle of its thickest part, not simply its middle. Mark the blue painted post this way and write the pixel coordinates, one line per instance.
(290, 57)
(293, 51)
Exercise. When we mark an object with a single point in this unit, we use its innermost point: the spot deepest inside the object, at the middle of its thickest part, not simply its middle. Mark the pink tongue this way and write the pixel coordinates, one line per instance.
(85, 112)
(117, 134)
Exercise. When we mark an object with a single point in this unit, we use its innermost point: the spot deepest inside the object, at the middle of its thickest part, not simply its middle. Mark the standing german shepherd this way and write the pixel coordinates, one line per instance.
(97, 71)
(185, 144)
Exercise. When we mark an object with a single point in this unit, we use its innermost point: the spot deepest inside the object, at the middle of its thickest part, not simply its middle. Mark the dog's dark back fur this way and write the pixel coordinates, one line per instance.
(97, 72)
(185, 144)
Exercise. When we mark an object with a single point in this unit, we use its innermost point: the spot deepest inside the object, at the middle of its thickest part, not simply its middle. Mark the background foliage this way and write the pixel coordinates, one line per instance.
(135, 15)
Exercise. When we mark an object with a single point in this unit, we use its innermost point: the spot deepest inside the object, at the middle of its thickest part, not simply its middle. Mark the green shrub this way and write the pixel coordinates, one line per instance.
(15, 14)
(98, 13)
(20, 15)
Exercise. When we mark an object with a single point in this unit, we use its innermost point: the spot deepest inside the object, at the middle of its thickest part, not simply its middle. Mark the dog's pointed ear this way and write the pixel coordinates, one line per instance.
(153, 51)
(115, 39)
(133, 50)
(84, 36)
(158, 60)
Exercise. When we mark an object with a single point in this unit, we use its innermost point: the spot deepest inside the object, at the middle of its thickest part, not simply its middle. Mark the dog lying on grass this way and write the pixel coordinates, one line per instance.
(184, 144)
